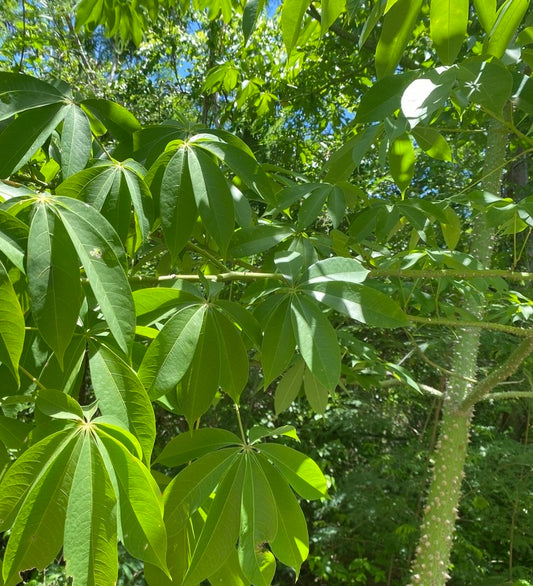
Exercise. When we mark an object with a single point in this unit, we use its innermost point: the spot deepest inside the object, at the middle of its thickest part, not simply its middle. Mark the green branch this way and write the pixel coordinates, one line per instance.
(482, 325)
(450, 274)
(499, 374)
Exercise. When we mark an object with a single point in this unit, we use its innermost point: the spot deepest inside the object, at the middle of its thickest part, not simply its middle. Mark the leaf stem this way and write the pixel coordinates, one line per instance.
(241, 428)
(32, 378)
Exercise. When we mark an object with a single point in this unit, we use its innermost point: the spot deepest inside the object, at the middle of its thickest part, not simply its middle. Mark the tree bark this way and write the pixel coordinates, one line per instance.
(432, 559)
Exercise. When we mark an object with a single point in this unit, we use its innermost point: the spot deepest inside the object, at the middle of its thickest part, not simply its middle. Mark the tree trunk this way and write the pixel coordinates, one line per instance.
(432, 559)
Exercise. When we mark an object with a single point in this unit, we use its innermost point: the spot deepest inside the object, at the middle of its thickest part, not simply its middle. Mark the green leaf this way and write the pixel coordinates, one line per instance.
(486, 83)
(13, 239)
(12, 325)
(347, 270)
(249, 241)
(486, 13)
(153, 303)
(90, 547)
(177, 203)
(58, 405)
(365, 304)
(22, 92)
(13, 432)
(289, 386)
(317, 341)
(119, 121)
(292, 14)
(103, 259)
(21, 139)
(192, 486)
(53, 279)
(141, 509)
(448, 23)
(380, 101)
(331, 10)
(278, 342)
(451, 229)
(170, 354)
(37, 533)
(316, 393)
(395, 33)
(260, 431)
(433, 143)
(212, 196)
(233, 357)
(291, 543)
(221, 529)
(299, 470)
(76, 140)
(199, 385)
(508, 18)
(191, 445)
(402, 161)
(259, 524)
(252, 10)
(121, 394)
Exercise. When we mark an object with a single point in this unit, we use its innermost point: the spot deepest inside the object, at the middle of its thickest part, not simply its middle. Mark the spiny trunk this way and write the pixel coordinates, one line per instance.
(432, 559)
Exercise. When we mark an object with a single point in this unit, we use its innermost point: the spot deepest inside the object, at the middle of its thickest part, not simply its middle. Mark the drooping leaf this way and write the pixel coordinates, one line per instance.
(200, 383)
(486, 13)
(90, 547)
(398, 24)
(291, 21)
(154, 303)
(380, 101)
(121, 394)
(219, 535)
(291, 543)
(259, 524)
(12, 325)
(140, 503)
(259, 238)
(53, 279)
(402, 161)
(448, 21)
(289, 386)
(346, 270)
(76, 140)
(233, 357)
(103, 259)
(13, 239)
(37, 532)
(316, 341)
(316, 393)
(331, 10)
(278, 342)
(433, 143)
(170, 354)
(302, 473)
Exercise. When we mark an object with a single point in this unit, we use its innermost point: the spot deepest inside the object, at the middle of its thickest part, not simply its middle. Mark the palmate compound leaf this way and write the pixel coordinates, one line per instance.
(64, 488)
(121, 394)
(12, 325)
(53, 279)
(103, 258)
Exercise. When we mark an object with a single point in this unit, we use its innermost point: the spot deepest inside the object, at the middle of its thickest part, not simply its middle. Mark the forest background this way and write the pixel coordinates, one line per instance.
(395, 134)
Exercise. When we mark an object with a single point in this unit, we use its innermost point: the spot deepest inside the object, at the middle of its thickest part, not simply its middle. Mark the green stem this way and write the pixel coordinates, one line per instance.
(461, 325)
(241, 428)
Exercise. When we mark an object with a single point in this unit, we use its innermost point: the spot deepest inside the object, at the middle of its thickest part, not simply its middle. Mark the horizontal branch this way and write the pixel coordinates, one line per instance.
(450, 274)
(508, 395)
(483, 325)
(227, 276)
